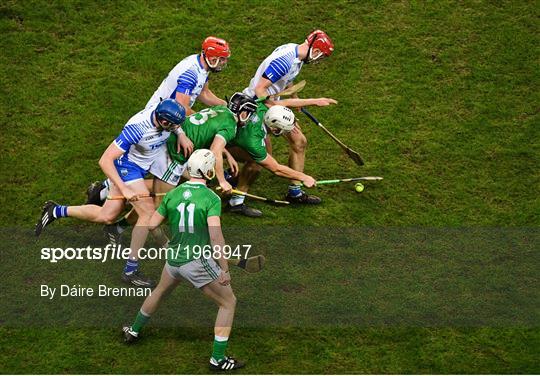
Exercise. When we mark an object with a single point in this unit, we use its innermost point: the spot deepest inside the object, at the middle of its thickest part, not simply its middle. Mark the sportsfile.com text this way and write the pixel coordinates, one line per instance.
(117, 252)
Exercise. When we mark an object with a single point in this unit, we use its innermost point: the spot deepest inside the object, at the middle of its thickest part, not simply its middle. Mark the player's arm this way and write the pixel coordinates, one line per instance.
(186, 83)
(261, 90)
(183, 143)
(218, 242)
(184, 100)
(272, 75)
(209, 98)
(106, 162)
(298, 102)
(217, 147)
(286, 172)
(231, 161)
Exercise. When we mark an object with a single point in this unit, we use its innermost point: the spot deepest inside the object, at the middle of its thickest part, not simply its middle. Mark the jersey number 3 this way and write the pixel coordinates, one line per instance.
(202, 116)
(191, 211)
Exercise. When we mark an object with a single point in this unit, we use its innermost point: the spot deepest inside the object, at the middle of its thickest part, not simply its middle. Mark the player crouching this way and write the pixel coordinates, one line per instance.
(193, 212)
(249, 146)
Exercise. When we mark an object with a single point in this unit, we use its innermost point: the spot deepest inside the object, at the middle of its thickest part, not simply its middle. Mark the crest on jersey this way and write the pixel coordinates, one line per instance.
(186, 194)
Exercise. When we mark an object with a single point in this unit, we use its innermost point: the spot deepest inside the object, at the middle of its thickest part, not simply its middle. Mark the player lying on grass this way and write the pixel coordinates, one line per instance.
(126, 161)
(249, 146)
(193, 212)
(277, 72)
(187, 82)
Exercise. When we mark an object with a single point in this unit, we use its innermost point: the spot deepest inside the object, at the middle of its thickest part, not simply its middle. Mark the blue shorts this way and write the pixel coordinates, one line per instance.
(129, 171)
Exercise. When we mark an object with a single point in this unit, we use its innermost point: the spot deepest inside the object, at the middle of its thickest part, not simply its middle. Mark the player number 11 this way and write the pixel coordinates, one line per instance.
(191, 210)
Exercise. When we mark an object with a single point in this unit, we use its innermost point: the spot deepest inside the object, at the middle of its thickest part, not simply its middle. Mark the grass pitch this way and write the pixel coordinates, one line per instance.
(441, 99)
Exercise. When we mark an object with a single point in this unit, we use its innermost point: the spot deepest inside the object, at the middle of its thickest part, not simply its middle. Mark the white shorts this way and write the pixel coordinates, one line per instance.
(164, 168)
(199, 272)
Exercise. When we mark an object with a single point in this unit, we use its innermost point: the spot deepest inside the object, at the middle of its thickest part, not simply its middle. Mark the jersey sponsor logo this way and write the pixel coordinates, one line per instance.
(155, 146)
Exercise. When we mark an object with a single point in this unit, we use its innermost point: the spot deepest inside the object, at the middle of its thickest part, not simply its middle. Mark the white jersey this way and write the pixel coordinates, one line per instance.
(187, 77)
(141, 141)
(281, 67)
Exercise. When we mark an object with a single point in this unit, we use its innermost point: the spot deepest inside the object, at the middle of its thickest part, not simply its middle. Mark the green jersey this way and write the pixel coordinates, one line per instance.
(202, 127)
(251, 136)
(187, 208)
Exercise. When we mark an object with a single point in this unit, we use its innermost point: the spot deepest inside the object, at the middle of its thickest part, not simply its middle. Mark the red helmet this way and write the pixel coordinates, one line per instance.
(216, 47)
(320, 40)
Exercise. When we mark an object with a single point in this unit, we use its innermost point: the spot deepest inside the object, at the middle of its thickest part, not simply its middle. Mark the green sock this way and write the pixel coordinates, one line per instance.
(220, 345)
(140, 321)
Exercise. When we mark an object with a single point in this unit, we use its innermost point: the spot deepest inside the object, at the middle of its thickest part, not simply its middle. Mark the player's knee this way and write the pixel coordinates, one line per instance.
(253, 168)
(145, 211)
(299, 144)
(230, 302)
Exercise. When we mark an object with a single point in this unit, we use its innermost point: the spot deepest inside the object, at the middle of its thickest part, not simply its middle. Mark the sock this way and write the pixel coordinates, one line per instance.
(140, 321)
(131, 266)
(105, 191)
(229, 177)
(122, 225)
(220, 345)
(295, 190)
(60, 211)
(236, 200)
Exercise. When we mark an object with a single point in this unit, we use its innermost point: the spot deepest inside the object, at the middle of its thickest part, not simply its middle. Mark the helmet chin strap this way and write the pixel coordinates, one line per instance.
(308, 56)
(209, 176)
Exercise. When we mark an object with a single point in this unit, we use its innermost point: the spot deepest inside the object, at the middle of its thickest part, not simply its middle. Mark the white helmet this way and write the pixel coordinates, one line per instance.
(201, 164)
(279, 119)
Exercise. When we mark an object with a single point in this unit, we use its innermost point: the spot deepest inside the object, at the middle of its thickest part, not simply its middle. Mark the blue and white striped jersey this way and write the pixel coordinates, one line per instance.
(187, 77)
(140, 140)
(281, 67)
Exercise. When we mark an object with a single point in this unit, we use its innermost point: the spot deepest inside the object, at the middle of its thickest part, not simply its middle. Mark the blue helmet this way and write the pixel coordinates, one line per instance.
(170, 111)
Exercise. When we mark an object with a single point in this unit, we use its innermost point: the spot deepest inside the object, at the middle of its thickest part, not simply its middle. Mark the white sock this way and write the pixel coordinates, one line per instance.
(237, 200)
(105, 191)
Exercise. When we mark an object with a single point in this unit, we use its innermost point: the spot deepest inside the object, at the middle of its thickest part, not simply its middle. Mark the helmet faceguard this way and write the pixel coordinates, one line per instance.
(320, 47)
(170, 114)
(279, 120)
(201, 164)
(243, 106)
(166, 125)
(216, 53)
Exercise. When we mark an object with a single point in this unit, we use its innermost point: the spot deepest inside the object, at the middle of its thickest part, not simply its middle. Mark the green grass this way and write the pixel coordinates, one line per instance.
(440, 98)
